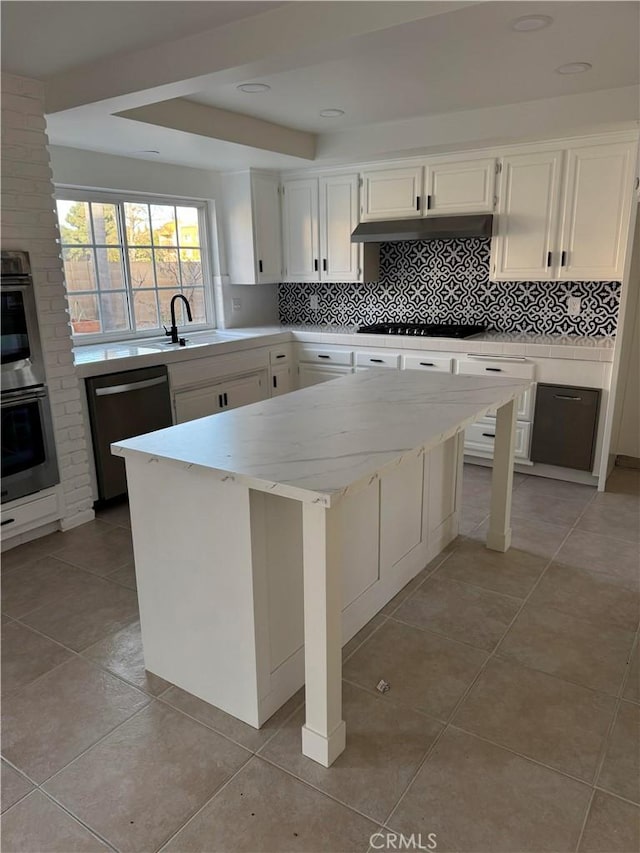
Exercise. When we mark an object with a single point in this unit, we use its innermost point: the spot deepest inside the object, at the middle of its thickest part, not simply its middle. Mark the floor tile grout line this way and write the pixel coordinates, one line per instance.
(75, 817)
(617, 796)
(585, 820)
(359, 646)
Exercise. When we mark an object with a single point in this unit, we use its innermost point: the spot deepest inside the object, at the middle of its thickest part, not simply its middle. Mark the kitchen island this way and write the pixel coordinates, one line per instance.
(267, 536)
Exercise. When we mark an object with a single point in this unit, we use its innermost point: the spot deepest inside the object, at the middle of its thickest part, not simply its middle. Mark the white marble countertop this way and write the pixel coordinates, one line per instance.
(99, 358)
(317, 443)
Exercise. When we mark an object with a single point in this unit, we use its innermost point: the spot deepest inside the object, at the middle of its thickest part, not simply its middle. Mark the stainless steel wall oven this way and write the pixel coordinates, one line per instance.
(28, 449)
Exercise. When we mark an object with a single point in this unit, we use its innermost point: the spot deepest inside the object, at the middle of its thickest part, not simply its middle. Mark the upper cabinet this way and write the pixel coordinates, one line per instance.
(253, 237)
(318, 217)
(437, 188)
(463, 187)
(392, 193)
(564, 215)
(595, 217)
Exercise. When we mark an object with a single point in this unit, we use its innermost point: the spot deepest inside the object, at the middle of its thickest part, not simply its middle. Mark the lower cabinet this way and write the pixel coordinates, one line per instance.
(207, 400)
(480, 438)
(281, 380)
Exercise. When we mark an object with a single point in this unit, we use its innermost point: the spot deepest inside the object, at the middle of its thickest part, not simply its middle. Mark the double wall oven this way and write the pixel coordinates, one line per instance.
(28, 450)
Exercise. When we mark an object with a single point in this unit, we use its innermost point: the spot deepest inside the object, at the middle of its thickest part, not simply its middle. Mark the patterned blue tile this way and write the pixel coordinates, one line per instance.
(448, 281)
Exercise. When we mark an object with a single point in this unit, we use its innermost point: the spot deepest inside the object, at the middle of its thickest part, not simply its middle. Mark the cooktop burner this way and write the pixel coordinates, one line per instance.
(426, 330)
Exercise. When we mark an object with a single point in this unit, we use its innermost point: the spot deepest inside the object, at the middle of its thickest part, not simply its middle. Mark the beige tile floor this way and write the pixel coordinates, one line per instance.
(511, 724)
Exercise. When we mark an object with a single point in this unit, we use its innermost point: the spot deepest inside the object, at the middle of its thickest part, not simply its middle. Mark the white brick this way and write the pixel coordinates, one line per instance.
(13, 84)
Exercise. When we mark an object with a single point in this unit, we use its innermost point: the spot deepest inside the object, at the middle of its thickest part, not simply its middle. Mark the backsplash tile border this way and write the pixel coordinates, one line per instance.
(448, 281)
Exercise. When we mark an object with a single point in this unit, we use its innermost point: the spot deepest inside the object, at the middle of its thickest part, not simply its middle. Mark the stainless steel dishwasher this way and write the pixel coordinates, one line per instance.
(122, 405)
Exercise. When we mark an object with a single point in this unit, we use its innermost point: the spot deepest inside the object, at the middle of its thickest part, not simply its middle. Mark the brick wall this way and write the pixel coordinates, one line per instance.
(29, 222)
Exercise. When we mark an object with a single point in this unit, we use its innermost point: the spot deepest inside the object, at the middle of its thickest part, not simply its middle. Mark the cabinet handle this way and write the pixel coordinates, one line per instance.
(549, 258)
(6, 521)
(324, 264)
(324, 356)
(315, 264)
(563, 259)
(281, 355)
(565, 397)
(260, 265)
(226, 400)
(428, 202)
(220, 403)
(377, 360)
(275, 381)
(494, 369)
(427, 364)
(417, 202)
(489, 434)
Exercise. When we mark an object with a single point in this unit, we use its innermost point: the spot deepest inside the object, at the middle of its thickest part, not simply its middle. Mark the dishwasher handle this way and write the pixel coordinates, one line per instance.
(130, 386)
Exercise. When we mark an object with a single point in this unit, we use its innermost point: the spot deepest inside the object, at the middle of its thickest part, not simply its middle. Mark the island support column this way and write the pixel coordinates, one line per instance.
(499, 535)
(324, 731)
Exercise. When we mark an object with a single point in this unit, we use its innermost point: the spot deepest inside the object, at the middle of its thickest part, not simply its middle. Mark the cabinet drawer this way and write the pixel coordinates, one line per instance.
(377, 359)
(480, 437)
(427, 362)
(508, 369)
(325, 355)
(29, 514)
(279, 356)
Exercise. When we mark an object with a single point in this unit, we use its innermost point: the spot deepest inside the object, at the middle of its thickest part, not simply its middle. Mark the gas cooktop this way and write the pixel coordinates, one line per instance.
(426, 330)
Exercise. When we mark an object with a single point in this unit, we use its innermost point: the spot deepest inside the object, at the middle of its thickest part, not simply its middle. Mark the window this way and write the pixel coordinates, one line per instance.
(124, 259)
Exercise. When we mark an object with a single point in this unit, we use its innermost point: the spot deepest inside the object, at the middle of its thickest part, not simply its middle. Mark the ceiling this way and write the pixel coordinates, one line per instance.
(124, 77)
(40, 39)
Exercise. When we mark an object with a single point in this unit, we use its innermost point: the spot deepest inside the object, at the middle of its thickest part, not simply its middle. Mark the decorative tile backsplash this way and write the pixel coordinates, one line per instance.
(448, 281)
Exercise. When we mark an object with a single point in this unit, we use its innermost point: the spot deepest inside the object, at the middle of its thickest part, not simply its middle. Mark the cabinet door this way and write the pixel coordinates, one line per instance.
(266, 228)
(248, 389)
(597, 205)
(338, 217)
(198, 403)
(465, 187)
(392, 194)
(312, 374)
(524, 246)
(281, 380)
(300, 230)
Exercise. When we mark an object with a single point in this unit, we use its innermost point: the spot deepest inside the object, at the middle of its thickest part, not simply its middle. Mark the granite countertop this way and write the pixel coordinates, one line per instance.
(297, 446)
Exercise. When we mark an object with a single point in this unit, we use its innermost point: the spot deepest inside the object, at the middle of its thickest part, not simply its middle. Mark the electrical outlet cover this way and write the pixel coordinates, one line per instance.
(313, 302)
(574, 306)
(236, 303)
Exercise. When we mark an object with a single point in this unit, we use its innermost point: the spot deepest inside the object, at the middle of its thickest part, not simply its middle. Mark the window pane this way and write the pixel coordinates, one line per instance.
(83, 311)
(168, 268)
(163, 225)
(145, 309)
(75, 226)
(188, 233)
(105, 223)
(79, 269)
(115, 317)
(141, 267)
(137, 224)
(196, 298)
(110, 274)
(191, 266)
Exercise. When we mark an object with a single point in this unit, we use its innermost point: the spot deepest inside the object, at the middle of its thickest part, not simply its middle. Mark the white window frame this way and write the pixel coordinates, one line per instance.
(67, 192)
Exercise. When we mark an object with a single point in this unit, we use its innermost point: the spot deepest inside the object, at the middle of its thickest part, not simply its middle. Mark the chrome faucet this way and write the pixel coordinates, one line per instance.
(173, 333)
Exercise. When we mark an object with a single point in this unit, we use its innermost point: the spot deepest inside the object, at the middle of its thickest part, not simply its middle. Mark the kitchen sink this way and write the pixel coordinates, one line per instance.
(195, 340)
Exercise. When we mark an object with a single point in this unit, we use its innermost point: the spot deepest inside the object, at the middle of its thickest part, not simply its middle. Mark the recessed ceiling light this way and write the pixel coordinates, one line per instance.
(333, 113)
(574, 68)
(253, 88)
(529, 23)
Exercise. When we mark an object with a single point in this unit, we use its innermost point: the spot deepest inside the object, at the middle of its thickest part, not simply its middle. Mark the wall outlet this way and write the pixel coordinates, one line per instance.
(574, 306)
(313, 302)
(236, 303)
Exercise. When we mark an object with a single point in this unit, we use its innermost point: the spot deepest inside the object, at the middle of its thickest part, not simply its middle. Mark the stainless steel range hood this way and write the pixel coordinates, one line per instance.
(428, 228)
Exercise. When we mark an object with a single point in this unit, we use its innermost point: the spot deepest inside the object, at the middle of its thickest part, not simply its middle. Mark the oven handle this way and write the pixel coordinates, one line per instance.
(130, 386)
(21, 396)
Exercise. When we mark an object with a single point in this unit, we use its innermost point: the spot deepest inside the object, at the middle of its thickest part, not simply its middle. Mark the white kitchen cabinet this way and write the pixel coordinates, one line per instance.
(464, 187)
(253, 235)
(527, 217)
(300, 230)
(207, 400)
(338, 217)
(377, 359)
(427, 361)
(312, 374)
(392, 193)
(319, 216)
(564, 215)
(596, 210)
(281, 380)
